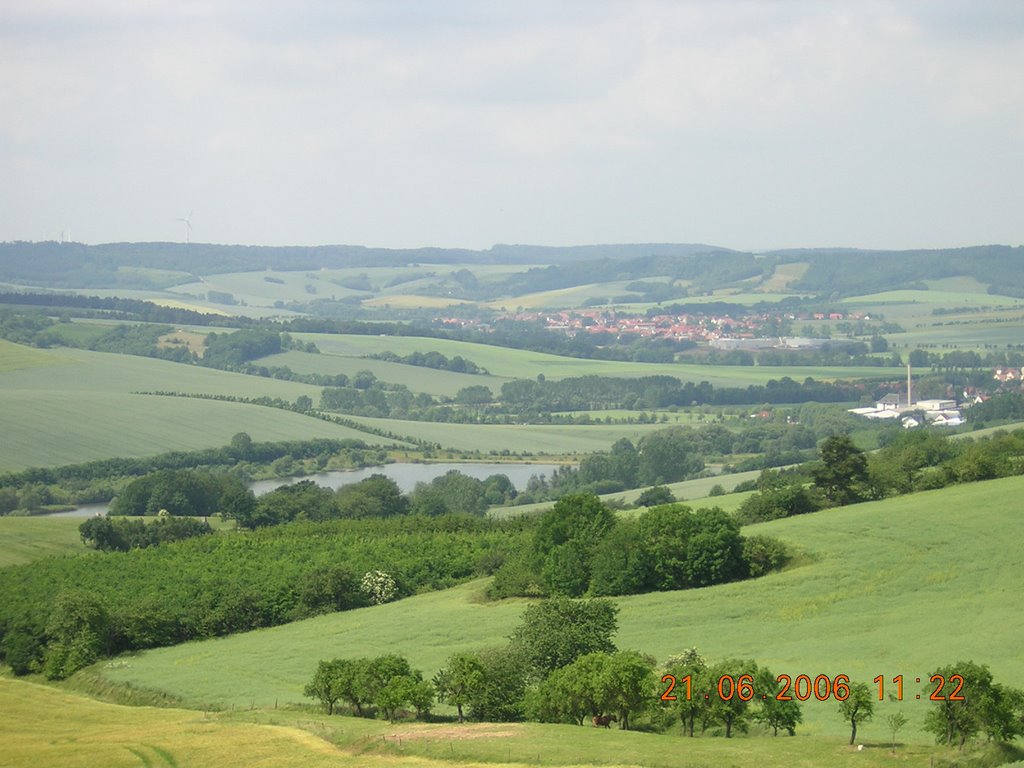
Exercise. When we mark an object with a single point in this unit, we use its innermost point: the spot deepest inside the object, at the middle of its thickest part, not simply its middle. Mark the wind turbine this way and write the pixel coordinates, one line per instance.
(188, 226)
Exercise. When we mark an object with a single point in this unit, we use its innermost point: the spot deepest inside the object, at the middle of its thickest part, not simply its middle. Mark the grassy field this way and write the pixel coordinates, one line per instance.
(23, 539)
(65, 406)
(90, 733)
(691, 491)
(529, 438)
(886, 588)
(516, 363)
(417, 378)
(16, 357)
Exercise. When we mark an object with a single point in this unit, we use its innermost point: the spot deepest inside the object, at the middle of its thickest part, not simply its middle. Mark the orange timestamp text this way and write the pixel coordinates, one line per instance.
(799, 688)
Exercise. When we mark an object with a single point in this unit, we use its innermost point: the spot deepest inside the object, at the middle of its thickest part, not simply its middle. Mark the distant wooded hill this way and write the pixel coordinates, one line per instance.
(829, 273)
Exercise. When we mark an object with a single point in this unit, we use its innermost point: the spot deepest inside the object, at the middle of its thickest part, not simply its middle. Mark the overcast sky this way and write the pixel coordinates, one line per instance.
(399, 123)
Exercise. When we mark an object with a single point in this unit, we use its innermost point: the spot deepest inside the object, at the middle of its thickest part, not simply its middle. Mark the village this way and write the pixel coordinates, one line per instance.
(749, 331)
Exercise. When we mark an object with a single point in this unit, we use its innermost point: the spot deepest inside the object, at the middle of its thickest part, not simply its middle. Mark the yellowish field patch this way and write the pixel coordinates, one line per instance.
(176, 304)
(190, 339)
(42, 726)
(784, 275)
(410, 301)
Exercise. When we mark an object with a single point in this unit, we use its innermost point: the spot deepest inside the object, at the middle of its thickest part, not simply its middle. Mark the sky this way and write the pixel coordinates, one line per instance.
(750, 124)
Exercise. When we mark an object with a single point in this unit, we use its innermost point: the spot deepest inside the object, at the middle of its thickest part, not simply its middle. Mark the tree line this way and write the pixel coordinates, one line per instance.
(561, 665)
(99, 481)
(58, 614)
(908, 461)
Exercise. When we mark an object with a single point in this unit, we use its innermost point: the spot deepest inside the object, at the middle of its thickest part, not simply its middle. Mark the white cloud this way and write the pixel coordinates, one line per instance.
(750, 124)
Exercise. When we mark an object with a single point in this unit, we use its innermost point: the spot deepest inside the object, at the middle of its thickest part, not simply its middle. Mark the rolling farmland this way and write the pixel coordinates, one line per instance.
(863, 601)
(90, 733)
(23, 539)
(503, 362)
(69, 406)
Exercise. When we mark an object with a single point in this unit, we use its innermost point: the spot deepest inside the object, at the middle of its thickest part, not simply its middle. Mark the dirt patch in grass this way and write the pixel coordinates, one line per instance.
(463, 732)
(192, 341)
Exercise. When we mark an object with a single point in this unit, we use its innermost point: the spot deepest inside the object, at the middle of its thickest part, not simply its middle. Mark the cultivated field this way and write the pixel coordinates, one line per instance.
(553, 439)
(419, 379)
(691, 491)
(68, 405)
(23, 539)
(516, 363)
(895, 587)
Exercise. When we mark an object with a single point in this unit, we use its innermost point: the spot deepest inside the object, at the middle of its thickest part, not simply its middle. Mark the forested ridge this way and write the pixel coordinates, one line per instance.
(839, 272)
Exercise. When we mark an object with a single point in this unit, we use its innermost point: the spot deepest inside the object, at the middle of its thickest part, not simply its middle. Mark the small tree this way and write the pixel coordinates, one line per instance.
(774, 713)
(973, 703)
(456, 683)
(626, 684)
(895, 723)
(327, 684)
(77, 631)
(858, 707)
(734, 711)
(689, 664)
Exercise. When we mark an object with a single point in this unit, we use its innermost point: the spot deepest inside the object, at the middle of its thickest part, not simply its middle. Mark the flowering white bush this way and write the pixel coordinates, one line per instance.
(380, 586)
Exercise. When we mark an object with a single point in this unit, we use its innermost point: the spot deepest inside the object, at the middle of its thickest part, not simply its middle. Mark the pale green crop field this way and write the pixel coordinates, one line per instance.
(74, 405)
(305, 285)
(56, 427)
(23, 539)
(971, 333)
(16, 357)
(412, 301)
(417, 378)
(531, 438)
(886, 588)
(693, 492)
(516, 363)
(564, 298)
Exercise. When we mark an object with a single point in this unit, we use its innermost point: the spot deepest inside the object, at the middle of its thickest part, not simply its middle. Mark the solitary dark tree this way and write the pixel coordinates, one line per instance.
(843, 471)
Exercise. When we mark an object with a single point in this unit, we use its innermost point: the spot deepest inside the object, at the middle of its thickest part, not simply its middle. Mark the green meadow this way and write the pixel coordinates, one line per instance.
(691, 491)
(23, 539)
(434, 382)
(89, 733)
(503, 362)
(551, 439)
(888, 588)
(67, 406)
(17, 357)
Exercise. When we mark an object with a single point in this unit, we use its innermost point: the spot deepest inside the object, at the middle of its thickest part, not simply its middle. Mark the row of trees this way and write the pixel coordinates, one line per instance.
(910, 460)
(386, 684)
(374, 497)
(121, 534)
(433, 359)
(99, 481)
(561, 665)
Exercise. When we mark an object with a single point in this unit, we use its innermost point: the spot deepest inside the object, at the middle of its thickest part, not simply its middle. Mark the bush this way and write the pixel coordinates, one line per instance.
(764, 554)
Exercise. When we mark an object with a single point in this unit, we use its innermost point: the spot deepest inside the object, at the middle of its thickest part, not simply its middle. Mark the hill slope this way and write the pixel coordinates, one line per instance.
(894, 587)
